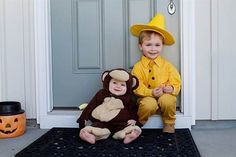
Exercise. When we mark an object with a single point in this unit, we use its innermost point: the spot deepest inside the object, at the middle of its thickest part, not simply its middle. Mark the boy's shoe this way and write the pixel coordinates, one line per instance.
(169, 128)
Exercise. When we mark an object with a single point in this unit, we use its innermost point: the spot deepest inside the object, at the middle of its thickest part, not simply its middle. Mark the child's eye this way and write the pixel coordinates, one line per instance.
(114, 82)
(123, 85)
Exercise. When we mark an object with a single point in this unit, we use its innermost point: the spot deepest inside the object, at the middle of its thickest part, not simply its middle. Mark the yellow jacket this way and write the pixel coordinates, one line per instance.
(164, 74)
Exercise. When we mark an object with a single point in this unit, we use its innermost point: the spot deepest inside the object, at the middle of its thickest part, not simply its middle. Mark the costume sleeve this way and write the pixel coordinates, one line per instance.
(142, 90)
(86, 114)
(174, 79)
(133, 109)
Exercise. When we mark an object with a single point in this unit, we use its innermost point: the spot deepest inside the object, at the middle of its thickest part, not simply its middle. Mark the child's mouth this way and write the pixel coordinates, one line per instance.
(152, 54)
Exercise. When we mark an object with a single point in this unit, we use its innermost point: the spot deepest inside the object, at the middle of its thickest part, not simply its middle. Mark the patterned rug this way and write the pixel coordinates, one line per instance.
(65, 142)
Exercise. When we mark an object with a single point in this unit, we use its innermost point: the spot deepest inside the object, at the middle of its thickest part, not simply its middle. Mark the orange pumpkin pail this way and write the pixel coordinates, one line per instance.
(12, 119)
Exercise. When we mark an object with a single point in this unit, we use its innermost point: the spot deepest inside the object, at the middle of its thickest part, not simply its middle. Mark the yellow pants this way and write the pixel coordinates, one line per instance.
(149, 106)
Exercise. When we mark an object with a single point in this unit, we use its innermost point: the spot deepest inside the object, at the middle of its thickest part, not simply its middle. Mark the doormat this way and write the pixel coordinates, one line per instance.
(65, 142)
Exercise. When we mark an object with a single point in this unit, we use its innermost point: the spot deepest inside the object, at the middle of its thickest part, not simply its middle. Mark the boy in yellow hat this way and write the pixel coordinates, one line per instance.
(159, 81)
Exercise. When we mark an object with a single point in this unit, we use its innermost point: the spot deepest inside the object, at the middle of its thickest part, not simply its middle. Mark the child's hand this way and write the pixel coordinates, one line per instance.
(168, 89)
(131, 122)
(157, 92)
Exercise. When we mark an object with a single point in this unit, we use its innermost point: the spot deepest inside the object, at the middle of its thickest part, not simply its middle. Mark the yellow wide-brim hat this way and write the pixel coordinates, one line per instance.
(157, 24)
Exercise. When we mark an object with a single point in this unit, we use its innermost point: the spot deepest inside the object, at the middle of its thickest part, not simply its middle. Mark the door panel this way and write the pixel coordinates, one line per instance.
(87, 25)
(76, 51)
(90, 36)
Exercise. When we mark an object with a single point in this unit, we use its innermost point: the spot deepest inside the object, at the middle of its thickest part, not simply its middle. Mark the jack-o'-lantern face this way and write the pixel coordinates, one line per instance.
(12, 126)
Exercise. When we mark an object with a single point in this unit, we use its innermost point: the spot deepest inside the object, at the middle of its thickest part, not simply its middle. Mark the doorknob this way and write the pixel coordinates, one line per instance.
(171, 7)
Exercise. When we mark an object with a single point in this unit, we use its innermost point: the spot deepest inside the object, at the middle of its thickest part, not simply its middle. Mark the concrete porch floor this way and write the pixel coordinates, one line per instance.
(213, 139)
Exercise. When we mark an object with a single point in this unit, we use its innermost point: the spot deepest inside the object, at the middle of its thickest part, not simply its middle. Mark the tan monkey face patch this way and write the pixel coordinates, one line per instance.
(120, 75)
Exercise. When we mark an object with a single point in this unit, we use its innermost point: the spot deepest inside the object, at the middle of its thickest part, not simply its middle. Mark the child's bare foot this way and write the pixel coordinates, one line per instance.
(131, 136)
(86, 136)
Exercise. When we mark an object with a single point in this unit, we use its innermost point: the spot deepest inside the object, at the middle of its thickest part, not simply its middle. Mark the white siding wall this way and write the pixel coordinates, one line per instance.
(215, 58)
(17, 80)
(17, 54)
(223, 59)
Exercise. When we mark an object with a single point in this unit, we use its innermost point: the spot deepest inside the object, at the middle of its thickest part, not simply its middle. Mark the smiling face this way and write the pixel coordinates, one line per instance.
(151, 45)
(12, 126)
(117, 87)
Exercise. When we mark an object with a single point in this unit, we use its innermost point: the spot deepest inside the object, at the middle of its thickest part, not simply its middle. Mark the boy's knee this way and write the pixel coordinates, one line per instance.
(167, 100)
(148, 104)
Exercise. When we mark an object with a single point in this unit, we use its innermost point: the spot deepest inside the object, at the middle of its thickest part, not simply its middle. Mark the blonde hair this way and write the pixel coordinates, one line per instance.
(147, 35)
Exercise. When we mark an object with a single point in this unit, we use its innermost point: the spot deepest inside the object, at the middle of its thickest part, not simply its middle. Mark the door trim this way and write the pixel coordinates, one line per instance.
(48, 118)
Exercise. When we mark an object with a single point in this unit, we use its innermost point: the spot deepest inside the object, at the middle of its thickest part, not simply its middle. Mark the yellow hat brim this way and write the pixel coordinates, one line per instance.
(137, 29)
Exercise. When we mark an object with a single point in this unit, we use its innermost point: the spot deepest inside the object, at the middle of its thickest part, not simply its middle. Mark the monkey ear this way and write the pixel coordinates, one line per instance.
(104, 74)
(135, 82)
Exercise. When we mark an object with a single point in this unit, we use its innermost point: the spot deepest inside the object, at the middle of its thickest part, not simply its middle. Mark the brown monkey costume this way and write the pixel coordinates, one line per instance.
(109, 113)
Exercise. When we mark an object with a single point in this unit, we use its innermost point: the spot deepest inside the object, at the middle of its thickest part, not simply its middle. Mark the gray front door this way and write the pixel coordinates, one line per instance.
(90, 36)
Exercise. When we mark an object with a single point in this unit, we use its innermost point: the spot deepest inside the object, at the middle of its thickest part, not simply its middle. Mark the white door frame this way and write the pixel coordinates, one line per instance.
(48, 118)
